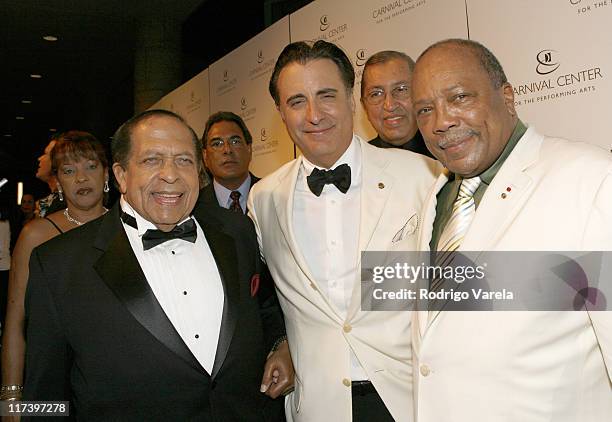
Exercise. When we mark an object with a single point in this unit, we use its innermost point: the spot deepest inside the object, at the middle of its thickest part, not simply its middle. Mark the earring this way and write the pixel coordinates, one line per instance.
(60, 193)
(106, 188)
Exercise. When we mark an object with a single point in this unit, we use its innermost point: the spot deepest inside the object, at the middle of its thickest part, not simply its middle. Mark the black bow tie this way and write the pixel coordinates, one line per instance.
(339, 177)
(151, 238)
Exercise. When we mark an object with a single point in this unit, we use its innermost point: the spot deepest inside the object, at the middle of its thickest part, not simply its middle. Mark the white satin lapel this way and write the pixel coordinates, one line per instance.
(499, 206)
(283, 202)
(505, 197)
(421, 317)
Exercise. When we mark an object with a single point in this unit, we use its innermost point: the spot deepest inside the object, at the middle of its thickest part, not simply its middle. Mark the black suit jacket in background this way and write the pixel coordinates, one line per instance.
(209, 197)
(97, 336)
(416, 144)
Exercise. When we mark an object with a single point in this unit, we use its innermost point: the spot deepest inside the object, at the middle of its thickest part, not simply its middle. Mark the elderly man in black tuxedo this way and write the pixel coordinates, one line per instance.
(151, 312)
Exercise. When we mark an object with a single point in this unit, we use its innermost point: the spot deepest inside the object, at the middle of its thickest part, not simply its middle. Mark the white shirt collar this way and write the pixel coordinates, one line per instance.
(141, 223)
(223, 193)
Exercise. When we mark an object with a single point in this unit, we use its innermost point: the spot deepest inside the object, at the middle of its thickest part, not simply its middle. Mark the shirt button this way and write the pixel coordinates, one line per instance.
(347, 328)
(197, 336)
(173, 253)
(185, 293)
(346, 382)
(425, 370)
(333, 242)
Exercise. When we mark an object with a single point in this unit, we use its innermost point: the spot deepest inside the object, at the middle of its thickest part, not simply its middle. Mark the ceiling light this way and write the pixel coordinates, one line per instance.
(53, 129)
(50, 38)
(20, 118)
(26, 101)
(7, 135)
(35, 76)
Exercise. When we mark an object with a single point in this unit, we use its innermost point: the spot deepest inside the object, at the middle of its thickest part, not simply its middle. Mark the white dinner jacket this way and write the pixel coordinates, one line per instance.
(394, 186)
(524, 366)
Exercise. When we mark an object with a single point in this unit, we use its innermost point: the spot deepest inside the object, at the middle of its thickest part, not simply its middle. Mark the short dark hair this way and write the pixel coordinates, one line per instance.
(485, 57)
(385, 56)
(303, 52)
(226, 116)
(74, 145)
(121, 142)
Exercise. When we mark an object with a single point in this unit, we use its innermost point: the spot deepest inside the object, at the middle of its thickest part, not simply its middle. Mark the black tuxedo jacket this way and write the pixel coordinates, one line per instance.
(97, 336)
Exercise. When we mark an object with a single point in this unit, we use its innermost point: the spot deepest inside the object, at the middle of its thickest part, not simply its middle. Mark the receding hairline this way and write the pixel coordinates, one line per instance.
(482, 56)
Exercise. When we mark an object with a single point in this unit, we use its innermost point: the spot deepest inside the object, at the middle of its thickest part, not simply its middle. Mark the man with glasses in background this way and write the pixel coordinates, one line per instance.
(385, 96)
(227, 155)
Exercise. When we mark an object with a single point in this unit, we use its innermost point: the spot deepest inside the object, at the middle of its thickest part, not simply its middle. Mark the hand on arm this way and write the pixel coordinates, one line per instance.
(278, 375)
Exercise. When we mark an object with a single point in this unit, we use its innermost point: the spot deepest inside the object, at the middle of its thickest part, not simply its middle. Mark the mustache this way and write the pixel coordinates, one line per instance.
(453, 137)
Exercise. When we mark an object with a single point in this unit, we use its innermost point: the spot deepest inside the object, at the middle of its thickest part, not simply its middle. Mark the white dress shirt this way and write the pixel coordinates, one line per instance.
(223, 194)
(186, 282)
(327, 230)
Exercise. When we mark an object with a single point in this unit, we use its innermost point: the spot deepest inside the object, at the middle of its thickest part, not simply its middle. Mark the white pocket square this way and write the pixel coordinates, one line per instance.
(409, 228)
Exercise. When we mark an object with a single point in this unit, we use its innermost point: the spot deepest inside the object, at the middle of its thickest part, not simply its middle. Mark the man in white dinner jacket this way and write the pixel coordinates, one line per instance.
(313, 217)
(527, 192)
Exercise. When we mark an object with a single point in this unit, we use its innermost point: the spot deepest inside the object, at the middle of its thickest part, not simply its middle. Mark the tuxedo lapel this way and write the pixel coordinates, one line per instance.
(224, 251)
(283, 197)
(502, 201)
(505, 197)
(119, 269)
(376, 187)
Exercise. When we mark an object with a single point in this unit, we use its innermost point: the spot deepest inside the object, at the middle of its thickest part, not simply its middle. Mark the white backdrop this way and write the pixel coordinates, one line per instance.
(558, 56)
(239, 83)
(556, 53)
(190, 101)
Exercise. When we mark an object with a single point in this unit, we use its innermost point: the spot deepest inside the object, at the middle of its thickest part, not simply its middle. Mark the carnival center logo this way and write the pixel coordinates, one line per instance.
(225, 77)
(260, 56)
(324, 23)
(264, 135)
(547, 62)
(243, 103)
(361, 57)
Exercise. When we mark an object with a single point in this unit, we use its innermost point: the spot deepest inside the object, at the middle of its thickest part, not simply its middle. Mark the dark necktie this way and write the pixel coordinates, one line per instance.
(235, 205)
(151, 238)
(339, 177)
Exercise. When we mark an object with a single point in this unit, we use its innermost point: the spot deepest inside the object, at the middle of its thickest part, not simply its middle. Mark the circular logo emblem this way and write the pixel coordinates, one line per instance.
(547, 62)
(324, 23)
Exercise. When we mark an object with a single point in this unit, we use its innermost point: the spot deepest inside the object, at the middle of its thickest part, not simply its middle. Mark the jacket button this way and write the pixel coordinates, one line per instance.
(346, 382)
(425, 370)
(347, 328)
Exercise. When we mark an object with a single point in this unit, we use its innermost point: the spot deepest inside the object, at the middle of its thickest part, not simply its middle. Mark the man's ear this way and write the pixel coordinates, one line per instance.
(121, 176)
(508, 93)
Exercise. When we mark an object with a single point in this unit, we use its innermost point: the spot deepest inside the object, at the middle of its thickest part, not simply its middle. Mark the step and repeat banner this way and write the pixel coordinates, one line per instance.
(239, 83)
(558, 56)
(191, 101)
(556, 53)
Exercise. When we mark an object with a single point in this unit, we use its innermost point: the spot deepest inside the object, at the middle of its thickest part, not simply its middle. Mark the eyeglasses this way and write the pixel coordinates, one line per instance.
(235, 142)
(377, 96)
